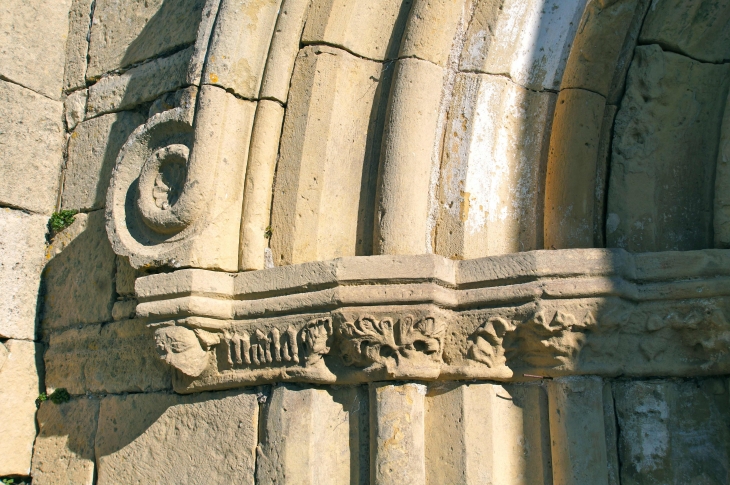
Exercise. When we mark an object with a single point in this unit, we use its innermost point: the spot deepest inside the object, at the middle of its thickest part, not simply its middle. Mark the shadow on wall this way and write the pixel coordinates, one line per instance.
(79, 282)
(167, 23)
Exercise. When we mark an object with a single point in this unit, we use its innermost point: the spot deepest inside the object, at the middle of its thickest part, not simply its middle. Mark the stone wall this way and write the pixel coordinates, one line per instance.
(243, 136)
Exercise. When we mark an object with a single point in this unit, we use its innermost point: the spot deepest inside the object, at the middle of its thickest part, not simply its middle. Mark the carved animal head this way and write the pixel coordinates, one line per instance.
(180, 347)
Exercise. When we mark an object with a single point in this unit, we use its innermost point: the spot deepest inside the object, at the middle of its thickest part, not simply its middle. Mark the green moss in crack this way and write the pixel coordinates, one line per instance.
(59, 396)
(61, 220)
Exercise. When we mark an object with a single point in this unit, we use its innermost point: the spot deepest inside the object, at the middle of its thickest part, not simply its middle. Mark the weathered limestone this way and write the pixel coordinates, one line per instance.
(190, 187)
(77, 44)
(19, 388)
(577, 431)
(699, 29)
(664, 153)
(370, 29)
(74, 108)
(257, 194)
(314, 436)
(541, 312)
(214, 438)
(125, 277)
(124, 33)
(140, 84)
(432, 28)
(611, 429)
(529, 41)
(92, 153)
(123, 309)
(573, 170)
(601, 188)
(78, 281)
(202, 41)
(397, 434)
(22, 247)
(31, 148)
(673, 431)
(326, 173)
(112, 358)
(283, 50)
(484, 433)
(492, 168)
(721, 206)
(409, 152)
(32, 39)
(603, 46)
(64, 449)
(239, 45)
(3, 355)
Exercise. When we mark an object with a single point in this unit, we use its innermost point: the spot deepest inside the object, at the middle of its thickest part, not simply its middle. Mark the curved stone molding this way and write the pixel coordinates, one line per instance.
(176, 192)
(538, 313)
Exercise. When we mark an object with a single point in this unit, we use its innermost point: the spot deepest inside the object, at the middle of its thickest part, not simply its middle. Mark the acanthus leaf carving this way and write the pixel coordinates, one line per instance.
(486, 343)
(367, 341)
(538, 341)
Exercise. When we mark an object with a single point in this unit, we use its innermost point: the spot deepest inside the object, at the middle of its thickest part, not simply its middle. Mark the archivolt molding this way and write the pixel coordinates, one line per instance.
(539, 313)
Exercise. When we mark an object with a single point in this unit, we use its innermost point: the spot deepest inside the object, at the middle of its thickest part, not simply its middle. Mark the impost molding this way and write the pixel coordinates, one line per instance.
(505, 318)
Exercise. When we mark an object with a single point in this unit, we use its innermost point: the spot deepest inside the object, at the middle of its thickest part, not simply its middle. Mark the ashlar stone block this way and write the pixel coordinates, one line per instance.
(485, 433)
(112, 358)
(77, 44)
(140, 84)
(665, 143)
(494, 158)
(22, 247)
(78, 281)
(432, 28)
(397, 436)
(314, 436)
(31, 148)
(92, 153)
(577, 431)
(604, 45)
(697, 28)
(167, 438)
(240, 44)
(529, 40)
(64, 449)
(573, 170)
(74, 108)
(673, 431)
(283, 50)
(19, 388)
(32, 40)
(125, 32)
(328, 158)
(370, 29)
(721, 223)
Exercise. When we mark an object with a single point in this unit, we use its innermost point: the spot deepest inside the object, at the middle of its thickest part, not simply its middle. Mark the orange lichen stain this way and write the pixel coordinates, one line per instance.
(395, 439)
(213, 78)
(74, 134)
(464, 211)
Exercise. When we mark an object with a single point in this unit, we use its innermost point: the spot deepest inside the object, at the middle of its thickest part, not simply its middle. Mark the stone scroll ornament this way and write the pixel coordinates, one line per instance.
(176, 191)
